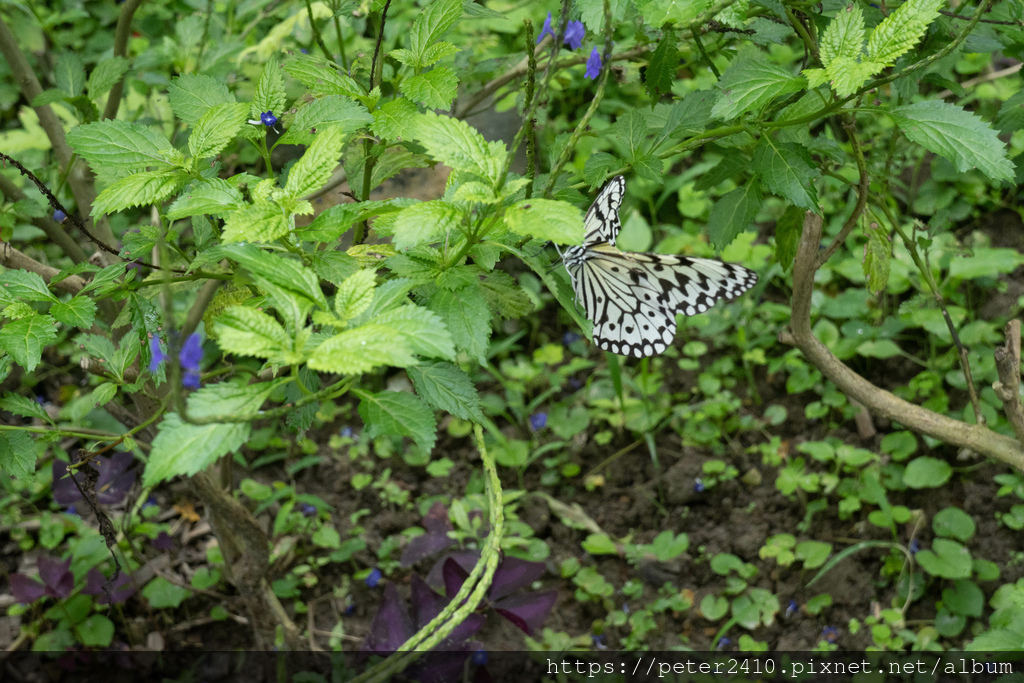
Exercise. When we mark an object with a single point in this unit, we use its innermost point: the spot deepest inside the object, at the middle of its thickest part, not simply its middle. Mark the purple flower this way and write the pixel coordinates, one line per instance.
(268, 119)
(830, 634)
(792, 608)
(570, 337)
(574, 34)
(117, 477)
(156, 356)
(593, 65)
(150, 502)
(307, 509)
(479, 657)
(598, 642)
(190, 356)
(698, 485)
(57, 581)
(915, 547)
(538, 420)
(723, 643)
(547, 30)
(59, 216)
(373, 578)
(110, 592)
(347, 433)
(72, 510)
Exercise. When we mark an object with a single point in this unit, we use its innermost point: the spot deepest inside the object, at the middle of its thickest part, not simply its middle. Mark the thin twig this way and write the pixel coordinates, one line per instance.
(862, 191)
(1008, 386)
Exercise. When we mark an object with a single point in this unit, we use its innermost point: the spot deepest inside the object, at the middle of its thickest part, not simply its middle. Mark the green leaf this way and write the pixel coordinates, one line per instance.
(788, 229)
(291, 286)
(318, 163)
(181, 448)
(953, 522)
(749, 84)
(844, 36)
(956, 135)
(95, 631)
(446, 387)
(17, 455)
(261, 222)
(212, 196)
(964, 598)
(336, 111)
(192, 95)
(355, 294)
(901, 30)
(424, 332)
(360, 350)
(216, 128)
(24, 406)
(947, 559)
(425, 222)
(631, 128)
(322, 76)
(546, 219)
(733, 213)
(397, 413)
(815, 77)
(437, 52)
(394, 119)
(468, 319)
(877, 251)
(985, 262)
(436, 89)
(69, 74)
(161, 593)
(80, 311)
(785, 169)
(148, 187)
(105, 75)
(657, 13)
(456, 144)
(926, 472)
(339, 219)
(268, 95)
(662, 68)
(431, 23)
(506, 298)
(24, 285)
(118, 148)
(24, 339)
(245, 331)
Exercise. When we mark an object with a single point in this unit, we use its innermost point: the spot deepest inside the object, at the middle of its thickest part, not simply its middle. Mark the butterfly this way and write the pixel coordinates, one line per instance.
(633, 298)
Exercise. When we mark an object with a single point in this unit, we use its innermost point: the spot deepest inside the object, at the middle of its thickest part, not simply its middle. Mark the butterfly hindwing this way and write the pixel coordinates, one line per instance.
(601, 224)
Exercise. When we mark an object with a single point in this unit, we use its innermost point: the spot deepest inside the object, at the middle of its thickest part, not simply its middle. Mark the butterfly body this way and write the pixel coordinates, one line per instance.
(633, 298)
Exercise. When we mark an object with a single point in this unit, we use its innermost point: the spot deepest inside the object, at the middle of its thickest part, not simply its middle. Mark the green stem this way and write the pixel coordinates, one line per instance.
(327, 393)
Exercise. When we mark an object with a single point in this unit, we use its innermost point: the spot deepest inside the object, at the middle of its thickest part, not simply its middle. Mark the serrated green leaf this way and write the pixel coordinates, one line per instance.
(844, 36)
(148, 187)
(394, 119)
(598, 166)
(321, 76)
(245, 331)
(24, 406)
(432, 23)
(17, 455)
(260, 223)
(25, 339)
(456, 144)
(435, 89)
(847, 75)
(268, 95)
(118, 148)
(355, 294)
(1011, 114)
(631, 129)
(181, 448)
(105, 75)
(24, 285)
(387, 297)
(546, 219)
(216, 128)
(333, 110)
(505, 297)
(468, 319)
(396, 413)
(425, 222)
(437, 52)
(424, 332)
(292, 288)
(657, 13)
(785, 169)
(902, 30)
(956, 135)
(446, 387)
(661, 70)
(192, 95)
(749, 84)
(359, 350)
(212, 196)
(733, 213)
(815, 77)
(339, 219)
(80, 311)
(318, 163)
(877, 252)
(69, 74)
(787, 236)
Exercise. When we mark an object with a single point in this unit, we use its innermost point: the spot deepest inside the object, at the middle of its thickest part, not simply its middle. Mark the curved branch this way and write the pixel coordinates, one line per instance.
(883, 403)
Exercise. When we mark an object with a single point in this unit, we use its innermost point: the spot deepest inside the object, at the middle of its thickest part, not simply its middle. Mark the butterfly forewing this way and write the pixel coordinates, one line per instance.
(633, 298)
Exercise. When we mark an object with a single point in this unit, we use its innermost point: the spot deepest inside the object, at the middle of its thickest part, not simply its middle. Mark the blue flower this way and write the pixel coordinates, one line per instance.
(570, 337)
(698, 485)
(574, 34)
(915, 547)
(480, 657)
(538, 421)
(268, 119)
(830, 634)
(593, 64)
(72, 510)
(156, 356)
(190, 356)
(307, 509)
(598, 642)
(723, 643)
(547, 30)
(150, 502)
(347, 433)
(59, 216)
(373, 578)
(791, 610)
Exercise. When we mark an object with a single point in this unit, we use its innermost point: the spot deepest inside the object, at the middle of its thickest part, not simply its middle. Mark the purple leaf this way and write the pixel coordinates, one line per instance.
(110, 592)
(513, 574)
(466, 559)
(436, 521)
(26, 590)
(527, 611)
(56, 576)
(163, 541)
(64, 490)
(116, 478)
(426, 603)
(454, 577)
(391, 625)
(424, 546)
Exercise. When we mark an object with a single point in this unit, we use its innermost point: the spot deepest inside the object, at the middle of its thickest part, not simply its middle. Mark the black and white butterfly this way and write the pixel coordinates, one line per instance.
(633, 298)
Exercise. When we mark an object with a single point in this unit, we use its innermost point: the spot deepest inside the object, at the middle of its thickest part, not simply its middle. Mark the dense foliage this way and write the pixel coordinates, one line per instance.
(353, 382)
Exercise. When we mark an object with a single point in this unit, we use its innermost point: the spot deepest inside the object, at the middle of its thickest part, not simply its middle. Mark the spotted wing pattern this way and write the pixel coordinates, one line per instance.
(633, 298)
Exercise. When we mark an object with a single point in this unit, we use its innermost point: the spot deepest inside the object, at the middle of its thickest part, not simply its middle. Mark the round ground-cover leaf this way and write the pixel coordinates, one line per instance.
(947, 559)
(162, 593)
(714, 607)
(813, 553)
(954, 523)
(926, 473)
(949, 625)
(964, 598)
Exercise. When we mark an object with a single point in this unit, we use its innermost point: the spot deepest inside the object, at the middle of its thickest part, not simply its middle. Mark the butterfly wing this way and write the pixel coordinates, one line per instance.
(601, 224)
(633, 299)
